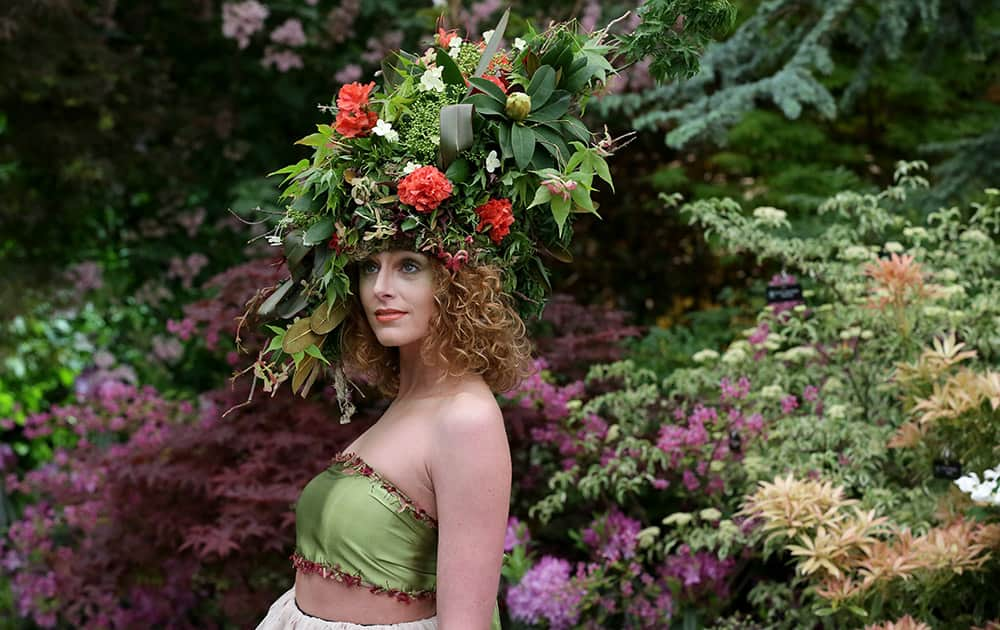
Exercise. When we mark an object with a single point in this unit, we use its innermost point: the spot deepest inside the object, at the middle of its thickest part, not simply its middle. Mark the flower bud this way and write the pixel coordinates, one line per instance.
(518, 105)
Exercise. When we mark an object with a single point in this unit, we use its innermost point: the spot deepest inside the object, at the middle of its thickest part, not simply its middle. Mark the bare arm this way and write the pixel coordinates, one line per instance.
(471, 472)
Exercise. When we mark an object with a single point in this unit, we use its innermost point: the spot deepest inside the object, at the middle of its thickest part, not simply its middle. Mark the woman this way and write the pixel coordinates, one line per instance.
(415, 509)
(414, 239)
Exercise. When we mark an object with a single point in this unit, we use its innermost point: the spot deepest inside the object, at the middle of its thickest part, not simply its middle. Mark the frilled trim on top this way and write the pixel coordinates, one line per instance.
(332, 570)
(354, 462)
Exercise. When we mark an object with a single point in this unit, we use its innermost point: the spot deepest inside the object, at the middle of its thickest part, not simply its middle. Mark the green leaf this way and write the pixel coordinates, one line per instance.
(553, 143)
(267, 308)
(489, 88)
(313, 140)
(276, 329)
(319, 231)
(581, 197)
(450, 74)
(313, 351)
(601, 168)
(486, 105)
(275, 344)
(542, 195)
(522, 140)
(560, 210)
(409, 223)
(543, 83)
(292, 169)
(456, 132)
(577, 129)
(494, 45)
(554, 110)
(503, 137)
(458, 171)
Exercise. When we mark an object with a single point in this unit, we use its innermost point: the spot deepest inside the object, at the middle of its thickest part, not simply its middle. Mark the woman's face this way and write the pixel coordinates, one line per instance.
(397, 293)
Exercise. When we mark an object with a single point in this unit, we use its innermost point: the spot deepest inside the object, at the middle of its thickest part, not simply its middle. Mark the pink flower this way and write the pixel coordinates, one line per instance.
(283, 60)
(240, 20)
(290, 33)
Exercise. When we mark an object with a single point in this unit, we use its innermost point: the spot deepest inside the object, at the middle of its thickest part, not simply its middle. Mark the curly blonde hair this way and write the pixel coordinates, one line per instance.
(474, 329)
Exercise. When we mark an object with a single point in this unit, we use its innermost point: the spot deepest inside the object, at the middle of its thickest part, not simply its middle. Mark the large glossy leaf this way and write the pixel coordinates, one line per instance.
(458, 172)
(266, 309)
(522, 140)
(325, 318)
(504, 138)
(486, 105)
(489, 88)
(553, 143)
(450, 73)
(299, 337)
(456, 132)
(543, 83)
(296, 300)
(319, 231)
(494, 45)
(554, 110)
(295, 249)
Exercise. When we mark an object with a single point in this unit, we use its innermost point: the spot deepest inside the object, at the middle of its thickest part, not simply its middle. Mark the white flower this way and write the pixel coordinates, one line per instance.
(430, 80)
(274, 241)
(384, 129)
(836, 412)
(454, 47)
(428, 57)
(967, 483)
(705, 355)
(520, 44)
(734, 356)
(894, 247)
(915, 233)
(771, 216)
(946, 275)
(492, 162)
(974, 236)
(772, 391)
(710, 514)
(856, 252)
(410, 167)
(950, 291)
(934, 311)
(487, 36)
(982, 492)
(991, 474)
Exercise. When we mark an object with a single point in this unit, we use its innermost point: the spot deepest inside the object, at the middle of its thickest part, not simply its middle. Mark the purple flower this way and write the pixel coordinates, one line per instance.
(690, 481)
(789, 404)
(613, 535)
(759, 335)
(810, 393)
(547, 592)
(517, 534)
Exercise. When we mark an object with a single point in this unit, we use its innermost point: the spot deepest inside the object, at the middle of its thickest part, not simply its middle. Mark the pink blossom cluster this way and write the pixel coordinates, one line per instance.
(613, 536)
(282, 60)
(548, 593)
(186, 269)
(241, 20)
(517, 533)
(699, 573)
(85, 276)
(340, 21)
(290, 33)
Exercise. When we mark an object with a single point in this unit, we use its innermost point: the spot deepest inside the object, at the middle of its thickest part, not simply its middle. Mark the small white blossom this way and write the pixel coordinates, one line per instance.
(934, 311)
(274, 241)
(856, 252)
(771, 216)
(520, 44)
(947, 275)
(492, 162)
(894, 247)
(915, 233)
(455, 47)
(950, 291)
(384, 129)
(410, 167)
(431, 81)
(487, 36)
(836, 412)
(428, 57)
(974, 236)
(772, 391)
(734, 356)
(710, 514)
(705, 355)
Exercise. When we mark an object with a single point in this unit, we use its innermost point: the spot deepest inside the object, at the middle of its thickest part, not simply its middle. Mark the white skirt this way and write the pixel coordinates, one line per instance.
(284, 614)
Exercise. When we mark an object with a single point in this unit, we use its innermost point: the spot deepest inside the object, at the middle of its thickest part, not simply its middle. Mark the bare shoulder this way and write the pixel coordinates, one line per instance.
(470, 427)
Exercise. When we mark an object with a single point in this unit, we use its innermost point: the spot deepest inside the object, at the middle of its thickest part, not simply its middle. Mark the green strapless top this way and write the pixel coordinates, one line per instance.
(355, 526)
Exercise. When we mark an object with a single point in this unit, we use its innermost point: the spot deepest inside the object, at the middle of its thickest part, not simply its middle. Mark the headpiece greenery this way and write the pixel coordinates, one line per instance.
(471, 153)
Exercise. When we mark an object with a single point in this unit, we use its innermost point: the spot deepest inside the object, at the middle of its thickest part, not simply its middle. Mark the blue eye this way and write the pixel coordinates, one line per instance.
(367, 267)
(412, 265)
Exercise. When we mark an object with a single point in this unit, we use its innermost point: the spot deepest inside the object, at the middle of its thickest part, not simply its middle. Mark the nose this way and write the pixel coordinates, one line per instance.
(383, 282)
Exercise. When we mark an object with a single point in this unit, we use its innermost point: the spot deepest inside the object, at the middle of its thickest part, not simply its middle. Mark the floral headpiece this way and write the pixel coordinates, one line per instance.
(470, 153)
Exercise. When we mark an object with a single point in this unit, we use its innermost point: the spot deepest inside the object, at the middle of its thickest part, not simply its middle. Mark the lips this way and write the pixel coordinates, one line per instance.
(384, 315)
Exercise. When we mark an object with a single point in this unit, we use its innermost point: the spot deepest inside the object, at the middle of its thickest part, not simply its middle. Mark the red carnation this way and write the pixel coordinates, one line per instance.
(353, 116)
(497, 213)
(424, 188)
(354, 96)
